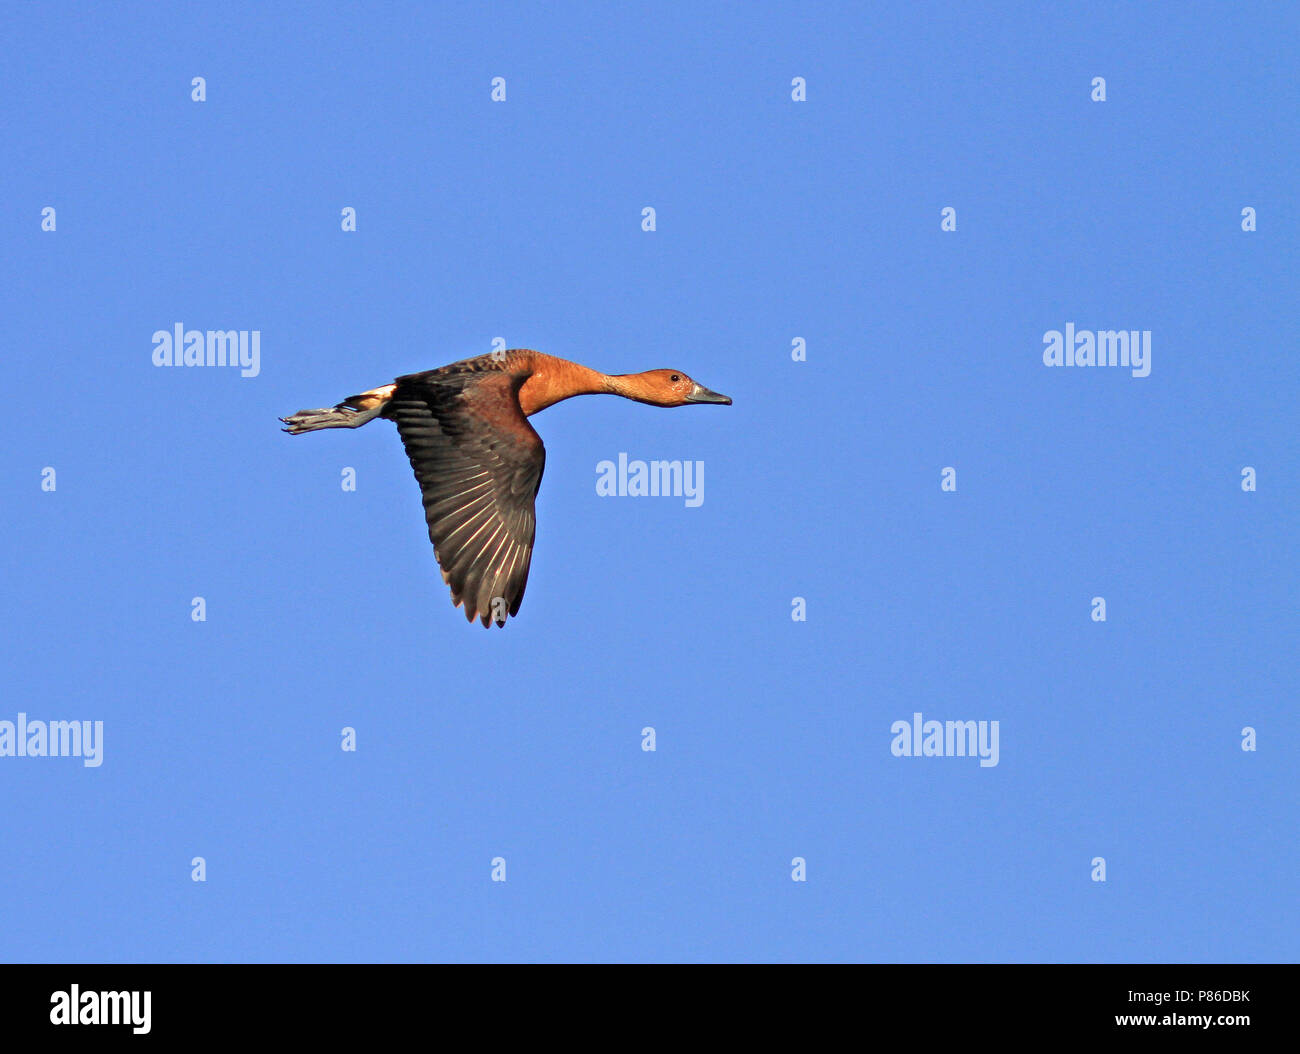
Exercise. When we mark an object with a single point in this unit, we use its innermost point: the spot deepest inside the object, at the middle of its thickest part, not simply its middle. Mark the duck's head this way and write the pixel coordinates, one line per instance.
(667, 388)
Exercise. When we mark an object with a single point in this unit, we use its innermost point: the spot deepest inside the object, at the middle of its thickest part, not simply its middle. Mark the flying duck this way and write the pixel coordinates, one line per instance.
(479, 462)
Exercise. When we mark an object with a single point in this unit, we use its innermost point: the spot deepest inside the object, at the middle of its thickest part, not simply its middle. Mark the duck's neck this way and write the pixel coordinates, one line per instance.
(553, 380)
(636, 386)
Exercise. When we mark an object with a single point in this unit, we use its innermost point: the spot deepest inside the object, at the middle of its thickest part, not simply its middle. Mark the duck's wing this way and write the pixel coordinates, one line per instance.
(479, 463)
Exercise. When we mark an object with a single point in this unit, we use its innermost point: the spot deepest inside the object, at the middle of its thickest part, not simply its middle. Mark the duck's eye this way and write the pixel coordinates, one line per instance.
(674, 378)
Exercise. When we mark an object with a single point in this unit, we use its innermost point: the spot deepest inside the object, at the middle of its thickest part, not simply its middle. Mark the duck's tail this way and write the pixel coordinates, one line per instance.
(352, 412)
(341, 416)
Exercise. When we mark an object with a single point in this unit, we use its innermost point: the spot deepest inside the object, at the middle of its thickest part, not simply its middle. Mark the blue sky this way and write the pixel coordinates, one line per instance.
(776, 219)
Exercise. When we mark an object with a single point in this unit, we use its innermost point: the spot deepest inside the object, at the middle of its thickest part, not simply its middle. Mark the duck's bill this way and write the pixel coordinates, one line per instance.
(701, 394)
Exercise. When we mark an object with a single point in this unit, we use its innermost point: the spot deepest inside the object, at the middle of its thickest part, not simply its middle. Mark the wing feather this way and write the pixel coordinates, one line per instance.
(479, 464)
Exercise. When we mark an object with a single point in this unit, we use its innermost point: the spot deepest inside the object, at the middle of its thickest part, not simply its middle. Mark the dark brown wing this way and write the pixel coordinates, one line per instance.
(479, 463)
